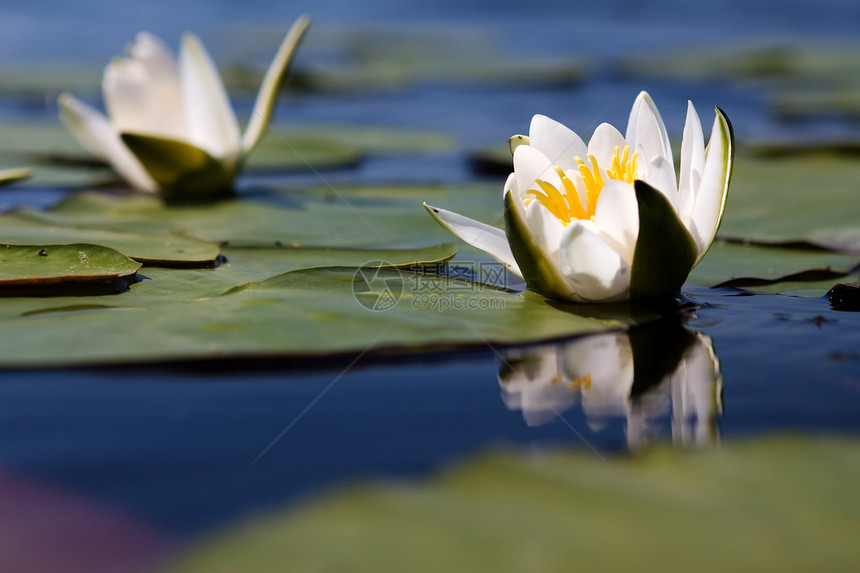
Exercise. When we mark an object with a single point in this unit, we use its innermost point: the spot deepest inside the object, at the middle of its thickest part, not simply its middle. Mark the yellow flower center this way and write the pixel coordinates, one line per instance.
(583, 383)
(565, 203)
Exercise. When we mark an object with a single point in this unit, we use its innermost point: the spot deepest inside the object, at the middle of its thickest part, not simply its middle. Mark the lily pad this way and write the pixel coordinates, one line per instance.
(157, 250)
(800, 198)
(61, 161)
(763, 62)
(669, 510)
(323, 312)
(42, 266)
(384, 59)
(311, 217)
(298, 147)
(34, 83)
(240, 266)
(768, 270)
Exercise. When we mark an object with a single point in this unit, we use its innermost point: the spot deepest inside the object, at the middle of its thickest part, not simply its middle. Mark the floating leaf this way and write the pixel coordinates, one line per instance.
(158, 250)
(807, 276)
(51, 267)
(791, 199)
(386, 217)
(302, 147)
(669, 510)
(775, 270)
(305, 313)
(285, 147)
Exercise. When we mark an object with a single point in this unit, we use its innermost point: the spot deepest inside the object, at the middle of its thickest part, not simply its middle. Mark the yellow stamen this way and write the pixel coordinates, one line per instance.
(565, 203)
(622, 167)
(581, 382)
(575, 209)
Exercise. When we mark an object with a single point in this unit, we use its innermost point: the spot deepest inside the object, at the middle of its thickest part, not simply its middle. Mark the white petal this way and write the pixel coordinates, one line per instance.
(9, 176)
(211, 122)
(603, 142)
(594, 269)
(711, 196)
(607, 360)
(480, 235)
(269, 88)
(531, 382)
(645, 128)
(692, 164)
(142, 93)
(661, 176)
(617, 218)
(530, 165)
(95, 133)
(546, 230)
(696, 386)
(559, 143)
(511, 185)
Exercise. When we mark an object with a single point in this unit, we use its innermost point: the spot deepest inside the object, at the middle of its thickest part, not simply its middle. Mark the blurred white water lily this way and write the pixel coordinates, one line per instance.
(613, 378)
(169, 125)
(608, 221)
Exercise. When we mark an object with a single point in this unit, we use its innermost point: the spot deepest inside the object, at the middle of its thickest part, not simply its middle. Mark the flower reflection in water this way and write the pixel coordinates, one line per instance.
(641, 375)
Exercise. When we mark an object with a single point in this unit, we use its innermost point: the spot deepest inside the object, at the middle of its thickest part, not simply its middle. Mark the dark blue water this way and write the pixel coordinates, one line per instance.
(190, 450)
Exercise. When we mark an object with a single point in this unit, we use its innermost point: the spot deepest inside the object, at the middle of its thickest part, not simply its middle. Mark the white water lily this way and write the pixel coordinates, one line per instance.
(169, 125)
(601, 372)
(608, 221)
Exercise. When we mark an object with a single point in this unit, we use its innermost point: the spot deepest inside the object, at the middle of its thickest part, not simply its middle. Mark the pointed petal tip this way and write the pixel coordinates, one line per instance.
(8, 176)
(144, 36)
(65, 99)
(643, 95)
(302, 21)
(722, 114)
(268, 92)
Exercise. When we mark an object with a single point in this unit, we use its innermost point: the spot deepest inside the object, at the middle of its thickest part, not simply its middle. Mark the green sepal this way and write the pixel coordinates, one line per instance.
(516, 141)
(182, 171)
(665, 251)
(540, 274)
